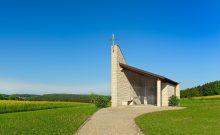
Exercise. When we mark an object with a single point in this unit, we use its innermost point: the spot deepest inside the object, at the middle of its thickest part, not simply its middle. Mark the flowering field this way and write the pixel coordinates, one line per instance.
(8, 106)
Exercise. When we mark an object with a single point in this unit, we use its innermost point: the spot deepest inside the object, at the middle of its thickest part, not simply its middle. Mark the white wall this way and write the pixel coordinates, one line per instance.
(167, 91)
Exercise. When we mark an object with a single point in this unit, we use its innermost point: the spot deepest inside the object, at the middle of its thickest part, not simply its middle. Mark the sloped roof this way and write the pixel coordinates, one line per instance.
(142, 72)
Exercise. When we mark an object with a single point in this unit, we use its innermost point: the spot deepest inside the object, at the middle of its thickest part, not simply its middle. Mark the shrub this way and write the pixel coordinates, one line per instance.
(174, 101)
(101, 101)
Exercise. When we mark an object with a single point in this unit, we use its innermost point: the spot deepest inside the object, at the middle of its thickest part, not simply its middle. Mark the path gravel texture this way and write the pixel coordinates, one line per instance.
(117, 121)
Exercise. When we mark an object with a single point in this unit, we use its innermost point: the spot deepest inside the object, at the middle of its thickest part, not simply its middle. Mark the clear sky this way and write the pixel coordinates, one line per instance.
(51, 46)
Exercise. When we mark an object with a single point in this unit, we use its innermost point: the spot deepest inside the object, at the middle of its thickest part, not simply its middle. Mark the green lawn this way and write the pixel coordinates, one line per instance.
(201, 117)
(57, 121)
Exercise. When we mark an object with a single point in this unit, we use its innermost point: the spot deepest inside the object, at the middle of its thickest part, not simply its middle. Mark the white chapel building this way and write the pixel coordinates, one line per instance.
(133, 86)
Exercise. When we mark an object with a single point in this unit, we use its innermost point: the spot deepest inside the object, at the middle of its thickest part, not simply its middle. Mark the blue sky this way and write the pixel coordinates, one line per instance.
(50, 46)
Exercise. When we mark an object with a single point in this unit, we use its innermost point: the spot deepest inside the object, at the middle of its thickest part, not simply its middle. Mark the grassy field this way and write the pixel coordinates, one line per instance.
(63, 119)
(201, 117)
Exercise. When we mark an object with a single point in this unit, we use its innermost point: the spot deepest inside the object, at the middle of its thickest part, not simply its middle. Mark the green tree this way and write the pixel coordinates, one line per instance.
(208, 89)
(14, 97)
(2, 97)
(92, 97)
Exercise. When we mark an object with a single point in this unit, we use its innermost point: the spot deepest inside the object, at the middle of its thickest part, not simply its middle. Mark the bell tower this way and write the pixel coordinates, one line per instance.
(116, 58)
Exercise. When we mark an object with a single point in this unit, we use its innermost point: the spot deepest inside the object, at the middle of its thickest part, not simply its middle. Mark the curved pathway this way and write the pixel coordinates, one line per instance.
(117, 121)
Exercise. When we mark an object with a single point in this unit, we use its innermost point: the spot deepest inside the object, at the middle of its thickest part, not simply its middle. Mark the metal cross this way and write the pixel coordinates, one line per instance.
(113, 39)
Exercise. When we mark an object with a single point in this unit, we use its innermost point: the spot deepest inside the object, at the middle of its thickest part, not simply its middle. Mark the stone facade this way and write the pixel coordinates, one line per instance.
(167, 91)
(130, 88)
(120, 85)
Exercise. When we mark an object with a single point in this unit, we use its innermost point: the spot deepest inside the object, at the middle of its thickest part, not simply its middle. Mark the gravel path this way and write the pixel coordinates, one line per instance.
(117, 121)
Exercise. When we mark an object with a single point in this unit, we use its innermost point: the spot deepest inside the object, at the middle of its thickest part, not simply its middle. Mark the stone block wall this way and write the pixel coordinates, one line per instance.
(168, 90)
(120, 85)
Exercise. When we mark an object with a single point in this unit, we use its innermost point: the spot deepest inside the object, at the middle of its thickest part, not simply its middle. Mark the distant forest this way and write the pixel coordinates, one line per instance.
(62, 97)
(208, 89)
(49, 97)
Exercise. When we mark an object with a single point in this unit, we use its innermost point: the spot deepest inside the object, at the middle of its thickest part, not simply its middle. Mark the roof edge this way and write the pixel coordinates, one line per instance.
(143, 72)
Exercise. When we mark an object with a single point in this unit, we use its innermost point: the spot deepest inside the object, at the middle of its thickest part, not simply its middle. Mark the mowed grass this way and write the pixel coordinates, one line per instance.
(201, 117)
(7, 106)
(57, 121)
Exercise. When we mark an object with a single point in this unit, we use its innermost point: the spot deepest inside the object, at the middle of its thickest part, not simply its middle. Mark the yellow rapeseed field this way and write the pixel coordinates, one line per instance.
(216, 97)
(8, 106)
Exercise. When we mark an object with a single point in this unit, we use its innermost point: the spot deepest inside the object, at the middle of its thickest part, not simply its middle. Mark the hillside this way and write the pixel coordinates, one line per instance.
(27, 96)
(62, 97)
(208, 89)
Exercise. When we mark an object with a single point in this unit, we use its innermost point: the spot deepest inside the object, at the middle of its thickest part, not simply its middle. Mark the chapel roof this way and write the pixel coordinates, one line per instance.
(146, 73)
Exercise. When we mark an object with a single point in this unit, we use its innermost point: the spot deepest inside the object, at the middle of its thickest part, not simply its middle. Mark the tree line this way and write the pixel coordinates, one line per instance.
(10, 97)
(208, 89)
(62, 97)
(51, 97)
